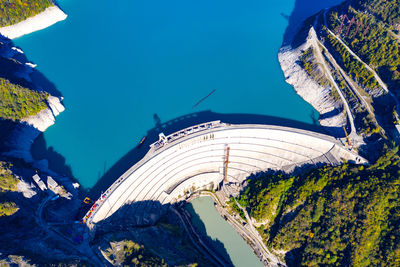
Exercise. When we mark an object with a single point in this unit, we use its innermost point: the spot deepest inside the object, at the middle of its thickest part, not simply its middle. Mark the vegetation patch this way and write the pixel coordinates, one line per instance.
(306, 60)
(8, 181)
(340, 216)
(271, 191)
(234, 207)
(17, 102)
(357, 71)
(14, 11)
(376, 42)
(387, 11)
(313, 69)
(128, 253)
(8, 208)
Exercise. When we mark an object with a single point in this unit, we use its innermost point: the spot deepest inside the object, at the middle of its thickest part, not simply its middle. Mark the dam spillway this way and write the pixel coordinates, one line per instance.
(196, 158)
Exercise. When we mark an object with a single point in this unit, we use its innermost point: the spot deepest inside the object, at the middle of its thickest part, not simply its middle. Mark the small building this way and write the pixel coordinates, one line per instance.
(39, 182)
(51, 184)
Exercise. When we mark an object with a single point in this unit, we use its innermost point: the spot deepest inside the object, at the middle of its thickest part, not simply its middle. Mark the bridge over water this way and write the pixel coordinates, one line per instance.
(202, 156)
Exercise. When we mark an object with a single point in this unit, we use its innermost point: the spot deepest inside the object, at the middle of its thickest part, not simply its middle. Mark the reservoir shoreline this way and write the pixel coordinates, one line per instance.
(48, 17)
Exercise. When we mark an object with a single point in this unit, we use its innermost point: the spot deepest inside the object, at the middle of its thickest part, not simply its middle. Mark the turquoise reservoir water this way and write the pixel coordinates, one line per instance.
(207, 218)
(117, 63)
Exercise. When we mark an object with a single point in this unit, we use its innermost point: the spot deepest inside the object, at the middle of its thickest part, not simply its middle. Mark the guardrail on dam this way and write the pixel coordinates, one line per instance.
(198, 157)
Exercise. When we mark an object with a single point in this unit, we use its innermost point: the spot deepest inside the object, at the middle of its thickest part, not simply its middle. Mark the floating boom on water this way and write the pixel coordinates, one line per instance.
(204, 98)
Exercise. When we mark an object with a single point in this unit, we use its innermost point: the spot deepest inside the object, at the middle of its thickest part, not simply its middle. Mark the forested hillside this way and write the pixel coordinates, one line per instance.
(17, 102)
(370, 29)
(18, 99)
(341, 216)
(8, 183)
(384, 10)
(14, 11)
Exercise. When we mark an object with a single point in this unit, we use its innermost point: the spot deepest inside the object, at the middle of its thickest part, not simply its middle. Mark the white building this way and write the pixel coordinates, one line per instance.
(39, 182)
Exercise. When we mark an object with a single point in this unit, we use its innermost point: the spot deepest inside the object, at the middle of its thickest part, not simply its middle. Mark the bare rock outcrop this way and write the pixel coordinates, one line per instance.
(46, 117)
(48, 17)
(329, 108)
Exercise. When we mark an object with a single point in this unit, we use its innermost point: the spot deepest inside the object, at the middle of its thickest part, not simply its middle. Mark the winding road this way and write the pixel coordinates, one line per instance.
(378, 79)
(316, 43)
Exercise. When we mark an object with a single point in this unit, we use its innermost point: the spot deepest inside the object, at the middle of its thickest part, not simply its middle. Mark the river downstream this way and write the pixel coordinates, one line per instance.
(209, 222)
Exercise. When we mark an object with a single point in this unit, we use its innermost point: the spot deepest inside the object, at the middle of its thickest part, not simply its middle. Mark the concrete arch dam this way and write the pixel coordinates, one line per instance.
(204, 155)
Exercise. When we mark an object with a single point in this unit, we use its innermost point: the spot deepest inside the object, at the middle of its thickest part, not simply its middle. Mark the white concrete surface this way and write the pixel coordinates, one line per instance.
(197, 159)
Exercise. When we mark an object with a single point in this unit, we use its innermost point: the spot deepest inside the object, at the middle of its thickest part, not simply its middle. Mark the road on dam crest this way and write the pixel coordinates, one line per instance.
(204, 155)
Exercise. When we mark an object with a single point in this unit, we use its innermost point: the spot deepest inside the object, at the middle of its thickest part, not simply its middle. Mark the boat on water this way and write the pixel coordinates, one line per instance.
(142, 140)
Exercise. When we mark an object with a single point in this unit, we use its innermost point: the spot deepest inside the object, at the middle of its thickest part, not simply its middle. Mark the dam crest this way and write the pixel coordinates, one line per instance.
(205, 155)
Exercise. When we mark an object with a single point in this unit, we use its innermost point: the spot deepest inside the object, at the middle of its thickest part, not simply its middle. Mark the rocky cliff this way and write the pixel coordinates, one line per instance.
(18, 70)
(319, 96)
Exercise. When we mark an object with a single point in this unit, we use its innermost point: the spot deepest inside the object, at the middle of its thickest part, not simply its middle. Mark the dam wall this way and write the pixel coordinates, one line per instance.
(202, 156)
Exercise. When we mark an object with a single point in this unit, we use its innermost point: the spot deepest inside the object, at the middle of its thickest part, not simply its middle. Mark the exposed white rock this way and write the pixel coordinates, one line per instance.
(316, 95)
(46, 117)
(32, 65)
(8, 50)
(48, 17)
(28, 130)
(26, 189)
(17, 49)
(55, 105)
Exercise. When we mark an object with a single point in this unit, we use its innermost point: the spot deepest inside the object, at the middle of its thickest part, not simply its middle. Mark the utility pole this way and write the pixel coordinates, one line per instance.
(358, 27)
(341, 24)
(348, 29)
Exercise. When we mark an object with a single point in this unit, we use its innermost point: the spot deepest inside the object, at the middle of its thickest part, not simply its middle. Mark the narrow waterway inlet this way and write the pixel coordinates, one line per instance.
(222, 237)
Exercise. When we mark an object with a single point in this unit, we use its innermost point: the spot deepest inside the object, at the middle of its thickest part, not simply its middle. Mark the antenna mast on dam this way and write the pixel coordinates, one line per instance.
(226, 162)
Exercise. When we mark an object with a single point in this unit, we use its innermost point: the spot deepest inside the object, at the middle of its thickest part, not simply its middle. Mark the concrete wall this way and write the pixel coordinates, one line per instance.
(198, 159)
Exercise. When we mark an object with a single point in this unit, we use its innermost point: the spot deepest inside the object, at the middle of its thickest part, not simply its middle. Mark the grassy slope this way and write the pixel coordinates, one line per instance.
(14, 11)
(8, 208)
(17, 102)
(8, 182)
(340, 216)
(386, 10)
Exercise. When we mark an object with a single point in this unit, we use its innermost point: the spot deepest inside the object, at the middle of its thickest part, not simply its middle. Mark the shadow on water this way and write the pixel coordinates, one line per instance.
(215, 244)
(15, 135)
(13, 67)
(10, 69)
(56, 161)
(301, 11)
(43, 84)
(137, 153)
